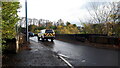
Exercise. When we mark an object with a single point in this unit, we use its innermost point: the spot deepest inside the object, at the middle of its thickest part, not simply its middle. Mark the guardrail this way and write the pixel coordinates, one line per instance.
(95, 38)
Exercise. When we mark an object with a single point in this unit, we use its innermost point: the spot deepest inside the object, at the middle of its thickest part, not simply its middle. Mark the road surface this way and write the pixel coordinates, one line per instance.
(78, 54)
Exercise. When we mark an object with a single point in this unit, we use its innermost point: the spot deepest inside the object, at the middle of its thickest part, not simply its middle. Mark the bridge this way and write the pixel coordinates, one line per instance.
(67, 50)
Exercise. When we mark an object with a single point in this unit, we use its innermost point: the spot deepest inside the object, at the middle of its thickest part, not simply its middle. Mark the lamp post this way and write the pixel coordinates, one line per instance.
(26, 20)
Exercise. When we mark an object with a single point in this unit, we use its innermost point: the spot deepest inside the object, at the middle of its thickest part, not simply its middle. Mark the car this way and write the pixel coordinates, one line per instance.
(30, 34)
(46, 34)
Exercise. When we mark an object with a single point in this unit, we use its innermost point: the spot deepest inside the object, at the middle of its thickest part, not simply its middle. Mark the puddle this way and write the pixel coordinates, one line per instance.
(34, 50)
(83, 60)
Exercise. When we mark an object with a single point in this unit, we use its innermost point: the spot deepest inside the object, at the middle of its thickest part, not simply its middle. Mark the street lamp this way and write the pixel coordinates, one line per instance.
(26, 20)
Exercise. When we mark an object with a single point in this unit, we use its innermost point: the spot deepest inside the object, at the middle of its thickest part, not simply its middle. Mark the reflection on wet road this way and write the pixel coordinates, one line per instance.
(81, 55)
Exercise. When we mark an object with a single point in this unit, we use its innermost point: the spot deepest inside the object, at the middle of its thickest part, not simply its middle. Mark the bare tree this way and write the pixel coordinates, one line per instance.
(101, 13)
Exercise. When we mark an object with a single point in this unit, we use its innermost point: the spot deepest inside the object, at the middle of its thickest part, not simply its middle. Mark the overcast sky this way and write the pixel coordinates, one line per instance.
(53, 10)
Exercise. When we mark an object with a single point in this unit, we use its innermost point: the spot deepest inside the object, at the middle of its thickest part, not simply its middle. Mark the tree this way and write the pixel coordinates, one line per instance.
(48, 25)
(31, 28)
(60, 22)
(9, 19)
(101, 13)
(103, 19)
(74, 25)
(68, 23)
(114, 16)
(68, 29)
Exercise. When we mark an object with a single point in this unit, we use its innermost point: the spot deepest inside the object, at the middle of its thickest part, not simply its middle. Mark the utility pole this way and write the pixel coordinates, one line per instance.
(26, 20)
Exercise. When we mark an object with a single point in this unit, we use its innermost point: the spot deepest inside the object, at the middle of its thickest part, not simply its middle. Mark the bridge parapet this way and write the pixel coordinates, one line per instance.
(94, 38)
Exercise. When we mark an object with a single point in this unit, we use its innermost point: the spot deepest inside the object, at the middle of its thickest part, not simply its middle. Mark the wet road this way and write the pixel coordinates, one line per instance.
(80, 55)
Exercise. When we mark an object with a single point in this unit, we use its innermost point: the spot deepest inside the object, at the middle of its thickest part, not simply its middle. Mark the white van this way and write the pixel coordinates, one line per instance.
(46, 34)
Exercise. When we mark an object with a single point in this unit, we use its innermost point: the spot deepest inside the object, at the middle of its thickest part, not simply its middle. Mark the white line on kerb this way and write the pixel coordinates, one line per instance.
(66, 61)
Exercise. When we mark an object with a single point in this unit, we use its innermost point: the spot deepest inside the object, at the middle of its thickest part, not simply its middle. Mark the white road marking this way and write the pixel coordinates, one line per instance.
(65, 61)
(63, 55)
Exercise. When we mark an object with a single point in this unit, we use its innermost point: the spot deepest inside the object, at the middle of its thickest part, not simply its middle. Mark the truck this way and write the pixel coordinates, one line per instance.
(46, 34)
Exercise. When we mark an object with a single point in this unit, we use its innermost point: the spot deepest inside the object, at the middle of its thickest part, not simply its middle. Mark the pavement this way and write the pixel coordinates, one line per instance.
(38, 55)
